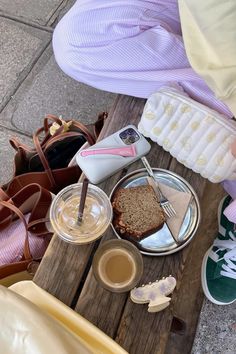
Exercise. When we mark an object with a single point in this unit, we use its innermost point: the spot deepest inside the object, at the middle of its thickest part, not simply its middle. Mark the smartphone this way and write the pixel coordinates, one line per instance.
(113, 153)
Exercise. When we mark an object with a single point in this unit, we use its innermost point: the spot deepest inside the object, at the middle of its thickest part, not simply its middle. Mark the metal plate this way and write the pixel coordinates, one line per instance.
(161, 242)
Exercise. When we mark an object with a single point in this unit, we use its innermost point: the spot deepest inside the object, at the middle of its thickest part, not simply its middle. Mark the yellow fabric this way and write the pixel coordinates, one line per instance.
(209, 32)
(26, 329)
(96, 341)
(15, 278)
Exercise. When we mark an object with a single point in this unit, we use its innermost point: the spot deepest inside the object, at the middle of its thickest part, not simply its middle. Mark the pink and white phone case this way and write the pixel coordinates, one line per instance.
(113, 153)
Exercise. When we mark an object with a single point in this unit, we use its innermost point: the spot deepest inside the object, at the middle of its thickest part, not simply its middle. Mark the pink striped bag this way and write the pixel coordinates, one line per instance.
(24, 234)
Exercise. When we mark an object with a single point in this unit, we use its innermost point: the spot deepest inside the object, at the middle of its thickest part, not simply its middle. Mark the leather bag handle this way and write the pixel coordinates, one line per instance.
(57, 137)
(23, 148)
(91, 140)
(60, 130)
(20, 266)
(26, 252)
(44, 160)
(17, 145)
(61, 137)
(47, 119)
(3, 196)
(37, 206)
(75, 123)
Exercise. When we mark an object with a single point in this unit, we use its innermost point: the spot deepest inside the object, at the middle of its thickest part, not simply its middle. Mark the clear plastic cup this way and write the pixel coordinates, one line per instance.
(97, 214)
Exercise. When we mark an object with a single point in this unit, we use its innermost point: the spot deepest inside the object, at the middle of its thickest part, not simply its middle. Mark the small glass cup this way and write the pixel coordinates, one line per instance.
(97, 214)
(117, 265)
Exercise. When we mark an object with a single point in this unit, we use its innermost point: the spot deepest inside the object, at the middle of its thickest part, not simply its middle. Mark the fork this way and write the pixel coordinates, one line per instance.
(164, 202)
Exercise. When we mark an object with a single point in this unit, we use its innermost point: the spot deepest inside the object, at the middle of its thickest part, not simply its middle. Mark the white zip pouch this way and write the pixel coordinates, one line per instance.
(197, 136)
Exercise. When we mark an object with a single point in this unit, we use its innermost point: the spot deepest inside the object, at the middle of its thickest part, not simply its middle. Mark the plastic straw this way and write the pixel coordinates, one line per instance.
(82, 200)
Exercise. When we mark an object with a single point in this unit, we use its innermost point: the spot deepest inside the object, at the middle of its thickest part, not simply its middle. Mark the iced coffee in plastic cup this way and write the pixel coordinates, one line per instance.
(97, 214)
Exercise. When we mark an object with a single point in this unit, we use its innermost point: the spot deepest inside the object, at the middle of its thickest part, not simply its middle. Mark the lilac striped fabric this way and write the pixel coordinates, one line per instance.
(12, 241)
(130, 47)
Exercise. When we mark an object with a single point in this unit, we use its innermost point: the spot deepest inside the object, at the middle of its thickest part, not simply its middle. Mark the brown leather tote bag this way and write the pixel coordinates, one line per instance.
(46, 163)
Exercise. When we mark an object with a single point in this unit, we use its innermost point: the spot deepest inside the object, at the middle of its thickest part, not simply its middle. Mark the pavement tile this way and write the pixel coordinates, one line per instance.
(20, 46)
(7, 153)
(216, 333)
(61, 11)
(48, 90)
(39, 12)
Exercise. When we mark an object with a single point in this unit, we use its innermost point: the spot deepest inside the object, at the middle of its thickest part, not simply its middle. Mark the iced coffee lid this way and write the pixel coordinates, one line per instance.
(97, 214)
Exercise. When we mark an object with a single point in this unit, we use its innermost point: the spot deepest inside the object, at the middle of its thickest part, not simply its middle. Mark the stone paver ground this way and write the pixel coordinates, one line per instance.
(32, 85)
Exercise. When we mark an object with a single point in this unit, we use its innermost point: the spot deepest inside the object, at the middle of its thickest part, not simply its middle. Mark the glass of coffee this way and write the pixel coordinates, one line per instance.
(117, 265)
(97, 214)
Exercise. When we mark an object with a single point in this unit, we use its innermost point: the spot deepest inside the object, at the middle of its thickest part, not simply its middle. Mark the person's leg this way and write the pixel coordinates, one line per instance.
(130, 47)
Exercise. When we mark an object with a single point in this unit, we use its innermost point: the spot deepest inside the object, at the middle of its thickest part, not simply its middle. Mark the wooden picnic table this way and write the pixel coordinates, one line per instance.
(65, 270)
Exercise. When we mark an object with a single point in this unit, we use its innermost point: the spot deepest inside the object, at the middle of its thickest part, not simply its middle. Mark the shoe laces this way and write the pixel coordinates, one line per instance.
(229, 257)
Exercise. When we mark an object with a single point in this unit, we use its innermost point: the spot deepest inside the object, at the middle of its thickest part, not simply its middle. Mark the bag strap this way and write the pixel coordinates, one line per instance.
(44, 161)
(26, 252)
(3, 195)
(48, 121)
(91, 140)
(39, 146)
(83, 129)
(38, 207)
(23, 148)
(46, 128)
(57, 137)
(12, 268)
(61, 137)
(17, 145)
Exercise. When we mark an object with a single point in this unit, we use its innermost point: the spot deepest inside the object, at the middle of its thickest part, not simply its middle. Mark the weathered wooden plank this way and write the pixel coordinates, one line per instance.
(63, 264)
(187, 301)
(94, 301)
(126, 110)
(140, 331)
(62, 268)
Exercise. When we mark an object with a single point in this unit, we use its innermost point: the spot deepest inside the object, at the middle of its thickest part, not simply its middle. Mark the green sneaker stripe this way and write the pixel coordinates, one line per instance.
(225, 226)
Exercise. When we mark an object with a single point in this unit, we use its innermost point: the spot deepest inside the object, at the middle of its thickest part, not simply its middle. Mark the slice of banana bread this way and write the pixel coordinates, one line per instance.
(137, 212)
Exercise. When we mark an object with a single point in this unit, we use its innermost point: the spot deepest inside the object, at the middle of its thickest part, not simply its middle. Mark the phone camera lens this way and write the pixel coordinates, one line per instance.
(123, 135)
(130, 131)
(131, 139)
(129, 136)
